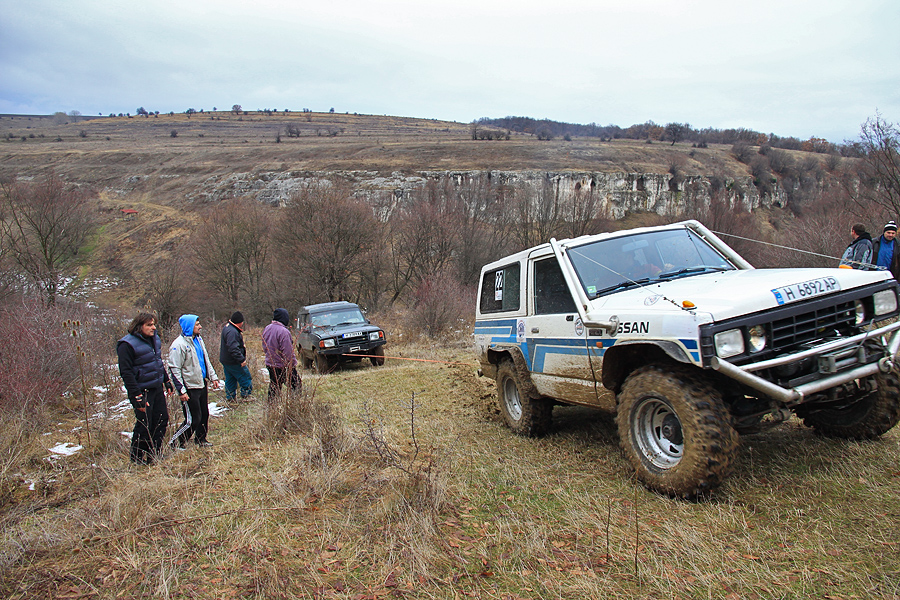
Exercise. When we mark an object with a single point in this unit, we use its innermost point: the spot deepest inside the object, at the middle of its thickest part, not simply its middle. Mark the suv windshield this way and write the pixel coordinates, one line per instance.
(331, 318)
(611, 265)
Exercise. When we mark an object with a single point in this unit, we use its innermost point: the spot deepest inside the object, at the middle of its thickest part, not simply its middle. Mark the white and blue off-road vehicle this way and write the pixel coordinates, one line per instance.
(688, 344)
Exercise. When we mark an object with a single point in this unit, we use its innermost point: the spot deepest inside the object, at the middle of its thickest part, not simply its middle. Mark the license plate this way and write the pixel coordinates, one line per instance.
(353, 334)
(355, 349)
(807, 289)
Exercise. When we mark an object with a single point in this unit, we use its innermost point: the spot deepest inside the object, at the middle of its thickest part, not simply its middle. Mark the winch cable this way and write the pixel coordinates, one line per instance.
(746, 239)
(428, 360)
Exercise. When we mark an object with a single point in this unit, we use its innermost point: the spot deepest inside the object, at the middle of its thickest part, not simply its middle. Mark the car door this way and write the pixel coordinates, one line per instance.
(304, 339)
(556, 337)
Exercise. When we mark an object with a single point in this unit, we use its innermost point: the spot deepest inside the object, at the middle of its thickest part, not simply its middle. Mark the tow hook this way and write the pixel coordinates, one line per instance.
(886, 364)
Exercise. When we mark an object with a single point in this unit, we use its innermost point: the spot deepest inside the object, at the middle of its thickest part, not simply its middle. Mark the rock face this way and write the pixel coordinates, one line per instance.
(613, 194)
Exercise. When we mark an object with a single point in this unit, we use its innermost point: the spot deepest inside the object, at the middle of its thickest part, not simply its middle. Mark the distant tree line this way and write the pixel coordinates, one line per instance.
(675, 132)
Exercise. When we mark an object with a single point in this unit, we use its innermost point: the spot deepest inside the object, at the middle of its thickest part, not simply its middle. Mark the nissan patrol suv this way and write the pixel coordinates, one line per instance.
(688, 344)
(335, 332)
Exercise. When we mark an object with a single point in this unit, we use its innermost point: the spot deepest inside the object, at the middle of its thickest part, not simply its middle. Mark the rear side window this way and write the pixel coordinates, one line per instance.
(500, 289)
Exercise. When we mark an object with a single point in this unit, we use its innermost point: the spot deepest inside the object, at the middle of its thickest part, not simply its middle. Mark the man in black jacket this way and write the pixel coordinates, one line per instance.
(144, 375)
(886, 251)
(233, 356)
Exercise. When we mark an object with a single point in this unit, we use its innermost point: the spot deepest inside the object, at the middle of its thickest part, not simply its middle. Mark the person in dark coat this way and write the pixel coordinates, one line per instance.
(886, 251)
(233, 356)
(858, 254)
(145, 377)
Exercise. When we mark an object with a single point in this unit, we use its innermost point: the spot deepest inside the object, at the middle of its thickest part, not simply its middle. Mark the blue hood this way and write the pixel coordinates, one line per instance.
(187, 323)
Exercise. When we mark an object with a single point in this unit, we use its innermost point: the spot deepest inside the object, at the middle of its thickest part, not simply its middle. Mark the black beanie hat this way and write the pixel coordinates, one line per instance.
(237, 317)
(281, 315)
(891, 226)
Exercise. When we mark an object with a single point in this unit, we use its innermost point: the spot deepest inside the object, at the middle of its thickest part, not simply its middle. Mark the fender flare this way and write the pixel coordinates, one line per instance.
(496, 354)
(624, 357)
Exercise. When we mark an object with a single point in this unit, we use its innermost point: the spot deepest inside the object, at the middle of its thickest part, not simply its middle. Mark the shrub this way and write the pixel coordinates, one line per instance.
(38, 363)
(442, 304)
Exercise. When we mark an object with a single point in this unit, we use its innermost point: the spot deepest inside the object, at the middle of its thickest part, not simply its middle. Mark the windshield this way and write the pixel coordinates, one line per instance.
(331, 318)
(619, 263)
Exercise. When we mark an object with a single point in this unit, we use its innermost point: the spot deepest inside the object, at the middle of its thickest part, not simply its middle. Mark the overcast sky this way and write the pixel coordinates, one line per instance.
(795, 68)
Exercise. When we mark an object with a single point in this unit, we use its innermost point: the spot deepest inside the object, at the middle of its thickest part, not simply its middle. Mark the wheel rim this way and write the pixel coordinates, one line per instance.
(511, 399)
(657, 433)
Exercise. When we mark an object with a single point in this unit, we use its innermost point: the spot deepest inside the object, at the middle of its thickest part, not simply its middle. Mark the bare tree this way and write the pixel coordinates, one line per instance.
(539, 214)
(676, 131)
(46, 226)
(324, 237)
(879, 172)
(231, 246)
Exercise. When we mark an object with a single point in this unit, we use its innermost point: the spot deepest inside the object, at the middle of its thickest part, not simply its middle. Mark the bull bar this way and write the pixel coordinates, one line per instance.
(796, 395)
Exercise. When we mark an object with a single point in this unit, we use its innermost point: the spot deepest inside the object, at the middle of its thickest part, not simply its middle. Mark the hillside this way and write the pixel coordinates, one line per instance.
(165, 167)
(113, 149)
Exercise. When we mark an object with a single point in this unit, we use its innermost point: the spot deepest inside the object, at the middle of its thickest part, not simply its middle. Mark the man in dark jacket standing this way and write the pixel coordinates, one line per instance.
(280, 359)
(144, 374)
(858, 254)
(233, 356)
(885, 251)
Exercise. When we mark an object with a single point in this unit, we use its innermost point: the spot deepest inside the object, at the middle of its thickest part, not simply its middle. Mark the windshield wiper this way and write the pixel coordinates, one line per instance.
(690, 270)
(622, 286)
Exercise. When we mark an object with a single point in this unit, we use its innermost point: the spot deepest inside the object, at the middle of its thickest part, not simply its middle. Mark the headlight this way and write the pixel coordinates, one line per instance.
(860, 312)
(757, 335)
(329, 343)
(885, 302)
(376, 335)
(729, 343)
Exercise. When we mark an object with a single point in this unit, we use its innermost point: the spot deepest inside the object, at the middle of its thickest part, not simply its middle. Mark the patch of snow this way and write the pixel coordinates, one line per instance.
(65, 449)
(215, 410)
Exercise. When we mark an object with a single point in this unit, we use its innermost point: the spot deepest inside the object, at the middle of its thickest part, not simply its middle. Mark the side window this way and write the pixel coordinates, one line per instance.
(551, 294)
(500, 289)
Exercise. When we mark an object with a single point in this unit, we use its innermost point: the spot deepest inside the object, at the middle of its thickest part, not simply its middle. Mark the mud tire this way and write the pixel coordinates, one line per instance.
(305, 362)
(524, 414)
(323, 365)
(659, 407)
(876, 413)
(378, 358)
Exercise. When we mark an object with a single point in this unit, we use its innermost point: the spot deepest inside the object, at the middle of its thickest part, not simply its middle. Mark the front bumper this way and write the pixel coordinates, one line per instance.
(362, 348)
(793, 396)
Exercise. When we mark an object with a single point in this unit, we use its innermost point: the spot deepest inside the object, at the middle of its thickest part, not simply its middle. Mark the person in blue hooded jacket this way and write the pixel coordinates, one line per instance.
(191, 370)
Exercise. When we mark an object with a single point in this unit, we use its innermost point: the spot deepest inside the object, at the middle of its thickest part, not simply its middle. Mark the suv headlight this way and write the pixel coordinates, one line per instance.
(376, 335)
(860, 312)
(757, 338)
(329, 343)
(885, 302)
(729, 343)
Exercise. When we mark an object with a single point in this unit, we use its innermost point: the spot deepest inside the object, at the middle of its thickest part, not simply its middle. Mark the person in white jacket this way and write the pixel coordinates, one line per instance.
(190, 370)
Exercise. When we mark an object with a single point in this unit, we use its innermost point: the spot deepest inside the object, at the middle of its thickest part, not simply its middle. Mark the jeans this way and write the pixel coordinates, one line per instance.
(234, 375)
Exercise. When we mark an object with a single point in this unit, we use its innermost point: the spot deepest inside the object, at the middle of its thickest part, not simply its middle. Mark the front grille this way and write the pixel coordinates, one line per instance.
(826, 321)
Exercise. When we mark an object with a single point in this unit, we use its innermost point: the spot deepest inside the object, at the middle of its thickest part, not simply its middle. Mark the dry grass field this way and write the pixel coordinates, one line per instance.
(401, 481)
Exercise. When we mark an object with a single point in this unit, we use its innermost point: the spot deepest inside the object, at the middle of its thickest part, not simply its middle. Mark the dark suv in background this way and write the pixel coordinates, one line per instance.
(335, 332)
